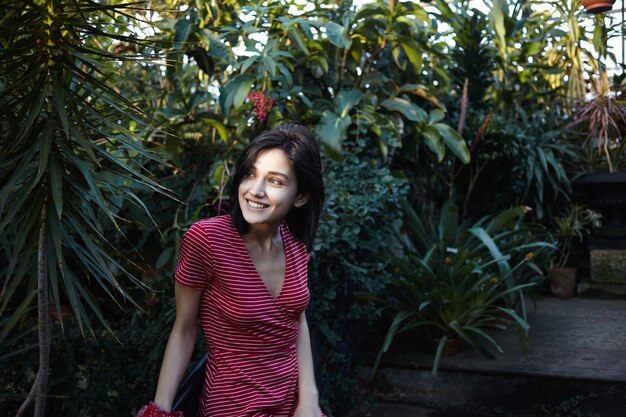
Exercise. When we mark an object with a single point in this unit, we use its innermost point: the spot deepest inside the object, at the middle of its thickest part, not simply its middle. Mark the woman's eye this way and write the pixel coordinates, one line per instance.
(249, 174)
(275, 181)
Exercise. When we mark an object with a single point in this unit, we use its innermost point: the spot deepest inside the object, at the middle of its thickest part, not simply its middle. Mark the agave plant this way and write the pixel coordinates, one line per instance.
(70, 154)
(459, 280)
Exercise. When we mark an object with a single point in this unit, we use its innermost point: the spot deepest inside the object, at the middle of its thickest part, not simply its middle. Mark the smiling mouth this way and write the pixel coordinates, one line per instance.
(256, 205)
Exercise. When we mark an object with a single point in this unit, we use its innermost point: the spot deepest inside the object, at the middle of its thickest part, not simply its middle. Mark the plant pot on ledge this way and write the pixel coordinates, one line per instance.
(451, 347)
(597, 6)
(563, 282)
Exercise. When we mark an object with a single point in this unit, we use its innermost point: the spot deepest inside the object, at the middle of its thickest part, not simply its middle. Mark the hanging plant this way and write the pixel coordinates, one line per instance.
(597, 6)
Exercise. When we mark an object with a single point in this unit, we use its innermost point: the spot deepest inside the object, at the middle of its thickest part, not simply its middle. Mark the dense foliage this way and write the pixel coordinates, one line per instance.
(119, 124)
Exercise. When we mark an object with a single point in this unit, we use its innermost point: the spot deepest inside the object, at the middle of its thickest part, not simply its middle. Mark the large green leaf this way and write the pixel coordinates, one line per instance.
(332, 130)
(413, 52)
(235, 91)
(453, 141)
(432, 138)
(406, 108)
(346, 100)
(338, 35)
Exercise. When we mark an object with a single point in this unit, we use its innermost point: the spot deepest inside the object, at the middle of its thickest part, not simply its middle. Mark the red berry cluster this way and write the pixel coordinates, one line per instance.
(262, 104)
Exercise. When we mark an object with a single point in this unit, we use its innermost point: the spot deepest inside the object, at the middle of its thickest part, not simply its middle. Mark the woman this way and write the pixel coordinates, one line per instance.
(243, 276)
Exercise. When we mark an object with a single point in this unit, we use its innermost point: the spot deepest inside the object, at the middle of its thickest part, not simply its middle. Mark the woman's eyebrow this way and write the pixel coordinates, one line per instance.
(280, 174)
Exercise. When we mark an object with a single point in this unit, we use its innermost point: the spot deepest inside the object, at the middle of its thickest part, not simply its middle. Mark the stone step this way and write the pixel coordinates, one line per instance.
(496, 395)
(575, 365)
(387, 409)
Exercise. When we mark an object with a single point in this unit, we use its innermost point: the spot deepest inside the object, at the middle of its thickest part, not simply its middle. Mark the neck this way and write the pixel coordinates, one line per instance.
(262, 236)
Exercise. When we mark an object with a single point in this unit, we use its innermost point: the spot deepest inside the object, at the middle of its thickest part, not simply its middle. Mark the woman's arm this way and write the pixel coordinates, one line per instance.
(179, 346)
(308, 397)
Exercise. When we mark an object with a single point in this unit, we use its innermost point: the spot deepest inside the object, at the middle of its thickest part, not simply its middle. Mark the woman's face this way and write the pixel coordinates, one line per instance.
(269, 190)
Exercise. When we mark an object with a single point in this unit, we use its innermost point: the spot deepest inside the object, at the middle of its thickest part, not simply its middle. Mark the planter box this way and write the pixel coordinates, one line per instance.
(608, 265)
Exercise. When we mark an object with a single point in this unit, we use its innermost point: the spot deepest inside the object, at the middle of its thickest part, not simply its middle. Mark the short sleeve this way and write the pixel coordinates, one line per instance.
(194, 263)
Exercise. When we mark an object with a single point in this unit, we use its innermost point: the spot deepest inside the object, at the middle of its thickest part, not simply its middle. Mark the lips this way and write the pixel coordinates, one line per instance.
(255, 205)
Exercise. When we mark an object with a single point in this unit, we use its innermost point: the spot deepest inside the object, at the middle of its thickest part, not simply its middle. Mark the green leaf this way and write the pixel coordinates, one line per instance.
(398, 320)
(406, 108)
(8, 323)
(56, 183)
(497, 17)
(412, 51)
(433, 141)
(217, 48)
(395, 53)
(298, 41)
(45, 145)
(346, 100)
(165, 256)
(54, 233)
(436, 115)
(507, 218)
(503, 266)
(59, 104)
(332, 130)
(248, 63)
(235, 91)
(182, 29)
(338, 35)
(454, 141)
(270, 65)
(216, 124)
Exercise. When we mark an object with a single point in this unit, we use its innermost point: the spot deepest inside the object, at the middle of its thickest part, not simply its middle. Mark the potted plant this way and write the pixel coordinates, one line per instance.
(456, 281)
(575, 225)
(602, 120)
(597, 6)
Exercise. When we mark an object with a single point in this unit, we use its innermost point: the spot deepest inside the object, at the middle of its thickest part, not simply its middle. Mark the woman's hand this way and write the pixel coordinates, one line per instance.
(153, 410)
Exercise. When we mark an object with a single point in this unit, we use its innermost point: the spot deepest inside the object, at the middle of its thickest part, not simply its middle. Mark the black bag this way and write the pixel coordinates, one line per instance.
(188, 393)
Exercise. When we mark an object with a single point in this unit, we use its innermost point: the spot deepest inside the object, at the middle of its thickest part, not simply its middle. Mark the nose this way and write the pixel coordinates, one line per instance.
(258, 188)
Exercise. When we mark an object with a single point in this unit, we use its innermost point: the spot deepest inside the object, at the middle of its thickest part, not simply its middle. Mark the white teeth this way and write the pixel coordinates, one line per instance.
(256, 205)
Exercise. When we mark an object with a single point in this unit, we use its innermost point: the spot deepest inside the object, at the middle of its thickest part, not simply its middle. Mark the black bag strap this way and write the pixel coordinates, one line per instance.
(188, 393)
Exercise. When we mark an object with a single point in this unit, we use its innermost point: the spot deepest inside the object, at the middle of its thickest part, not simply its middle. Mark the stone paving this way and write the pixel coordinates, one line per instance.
(576, 352)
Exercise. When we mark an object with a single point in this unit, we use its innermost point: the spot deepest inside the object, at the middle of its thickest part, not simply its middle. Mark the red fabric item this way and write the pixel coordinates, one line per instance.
(153, 410)
(252, 368)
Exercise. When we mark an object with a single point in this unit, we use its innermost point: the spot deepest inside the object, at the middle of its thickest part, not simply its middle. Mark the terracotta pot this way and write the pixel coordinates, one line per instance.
(597, 6)
(452, 346)
(563, 282)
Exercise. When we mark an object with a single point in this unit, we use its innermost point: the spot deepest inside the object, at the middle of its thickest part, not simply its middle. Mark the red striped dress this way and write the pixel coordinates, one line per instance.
(252, 369)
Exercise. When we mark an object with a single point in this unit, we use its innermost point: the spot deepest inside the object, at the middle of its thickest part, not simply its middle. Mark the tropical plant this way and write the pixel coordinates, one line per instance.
(544, 169)
(71, 153)
(575, 225)
(459, 280)
(571, 39)
(603, 121)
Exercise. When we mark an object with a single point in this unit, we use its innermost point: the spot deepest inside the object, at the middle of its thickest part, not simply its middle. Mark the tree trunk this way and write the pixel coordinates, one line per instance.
(43, 307)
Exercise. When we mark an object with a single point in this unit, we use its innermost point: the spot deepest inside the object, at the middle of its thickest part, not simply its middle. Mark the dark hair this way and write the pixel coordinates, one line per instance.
(302, 151)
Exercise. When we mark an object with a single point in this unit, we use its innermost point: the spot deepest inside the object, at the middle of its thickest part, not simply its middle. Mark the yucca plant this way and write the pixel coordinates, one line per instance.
(459, 280)
(71, 155)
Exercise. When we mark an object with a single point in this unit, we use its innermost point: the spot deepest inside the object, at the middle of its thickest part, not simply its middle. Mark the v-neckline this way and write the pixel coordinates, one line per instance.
(256, 271)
